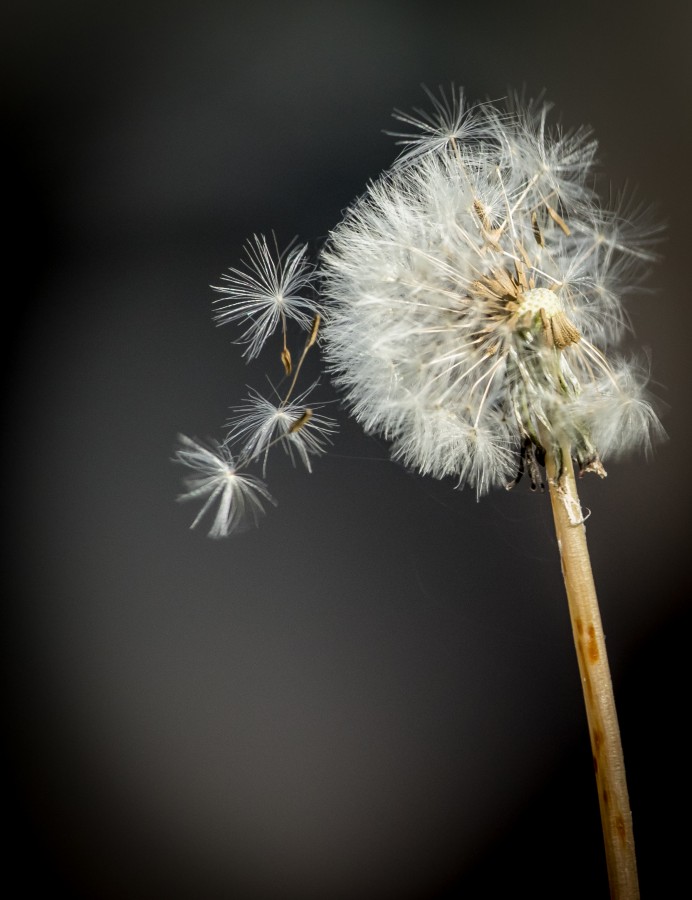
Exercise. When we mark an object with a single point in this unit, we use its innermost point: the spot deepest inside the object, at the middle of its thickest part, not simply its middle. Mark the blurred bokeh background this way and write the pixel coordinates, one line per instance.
(375, 694)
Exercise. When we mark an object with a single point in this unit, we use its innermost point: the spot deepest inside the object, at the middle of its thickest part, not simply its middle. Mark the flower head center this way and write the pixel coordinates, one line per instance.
(541, 309)
(531, 302)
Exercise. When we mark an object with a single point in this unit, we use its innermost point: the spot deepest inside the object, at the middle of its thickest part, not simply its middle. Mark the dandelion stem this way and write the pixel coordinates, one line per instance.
(604, 732)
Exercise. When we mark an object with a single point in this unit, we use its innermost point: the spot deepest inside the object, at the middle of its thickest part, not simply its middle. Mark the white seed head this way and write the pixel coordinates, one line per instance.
(475, 292)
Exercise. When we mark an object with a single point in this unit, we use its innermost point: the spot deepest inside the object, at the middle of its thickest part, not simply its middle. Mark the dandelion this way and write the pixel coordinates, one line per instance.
(474, 304)
(216, 477)
(472, 300)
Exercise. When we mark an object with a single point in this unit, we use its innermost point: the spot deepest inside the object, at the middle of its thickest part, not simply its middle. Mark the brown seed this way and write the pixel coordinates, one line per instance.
(537, 230)
(301, 421)
(312, 337)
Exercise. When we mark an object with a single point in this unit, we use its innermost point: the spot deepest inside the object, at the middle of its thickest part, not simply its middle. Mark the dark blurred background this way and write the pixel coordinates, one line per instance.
(375, 694)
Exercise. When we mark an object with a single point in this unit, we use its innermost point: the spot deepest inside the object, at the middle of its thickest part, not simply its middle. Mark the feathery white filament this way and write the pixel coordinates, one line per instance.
(240, 497)
(271, 289)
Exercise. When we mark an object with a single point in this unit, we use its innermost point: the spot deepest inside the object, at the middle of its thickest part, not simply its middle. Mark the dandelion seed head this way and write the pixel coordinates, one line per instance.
(475, 297)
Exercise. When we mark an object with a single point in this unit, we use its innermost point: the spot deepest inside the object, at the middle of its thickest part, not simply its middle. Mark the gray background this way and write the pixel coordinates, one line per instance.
(375, 694)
